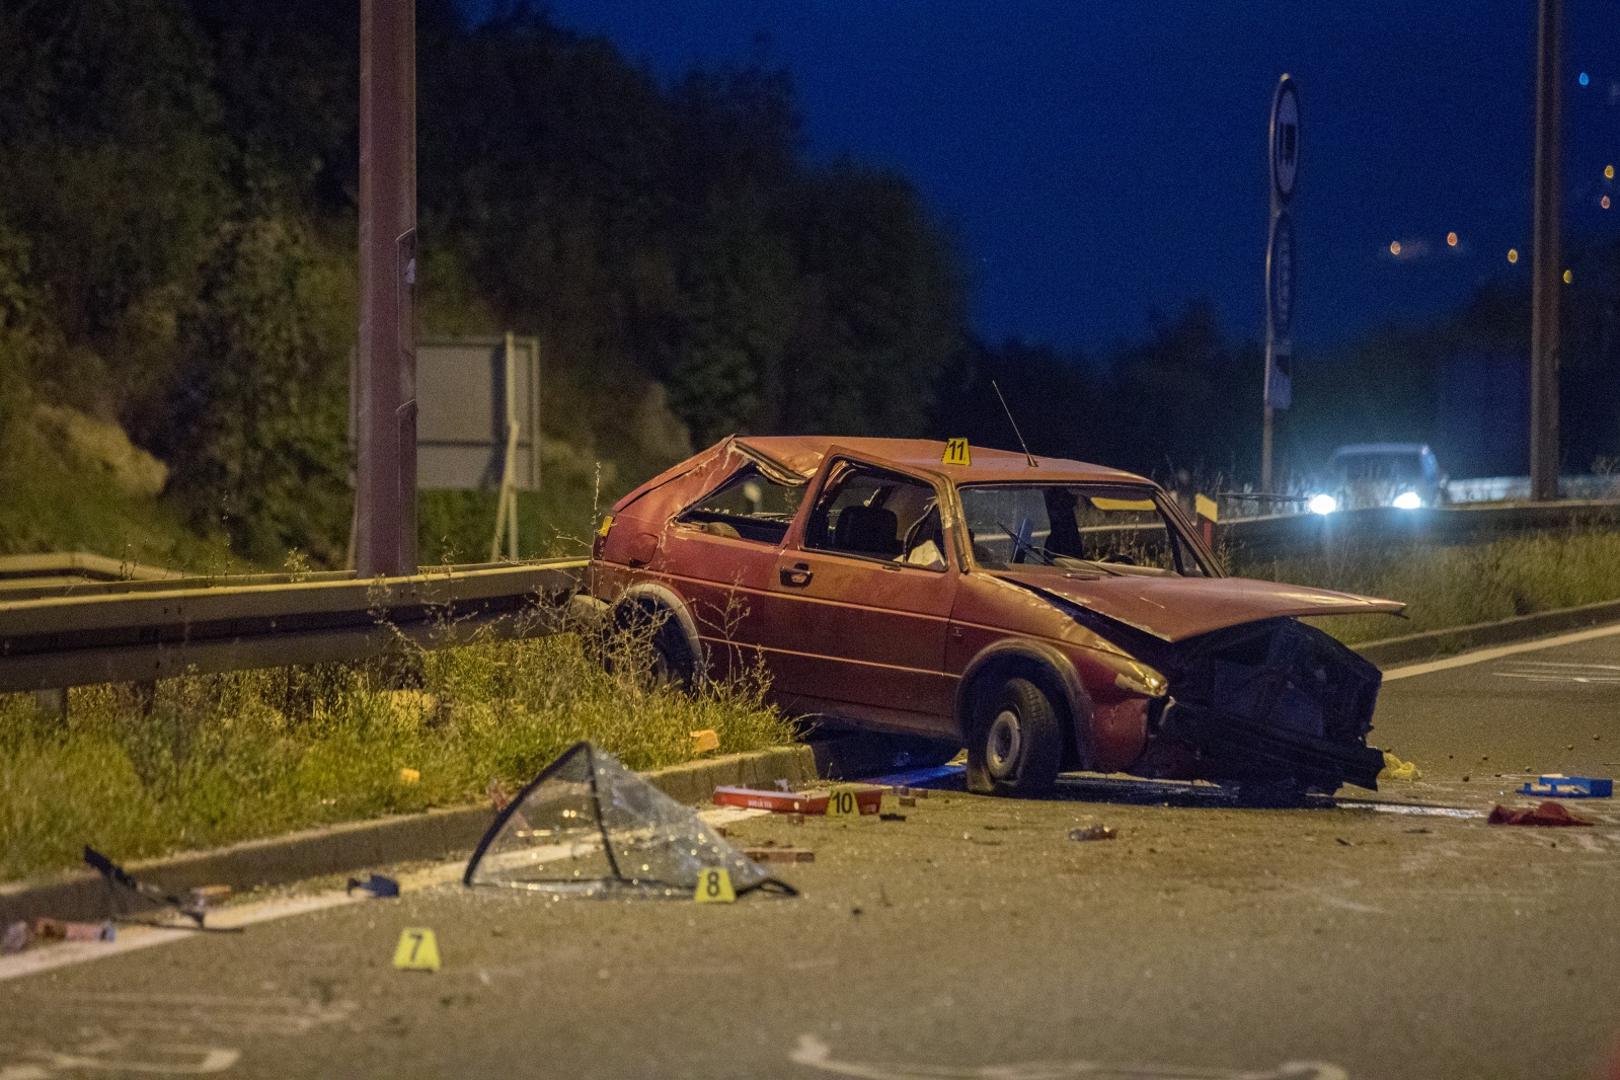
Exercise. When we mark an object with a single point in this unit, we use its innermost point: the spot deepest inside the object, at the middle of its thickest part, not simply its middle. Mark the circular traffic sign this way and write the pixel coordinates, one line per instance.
(1285, 138)
(1280, 275)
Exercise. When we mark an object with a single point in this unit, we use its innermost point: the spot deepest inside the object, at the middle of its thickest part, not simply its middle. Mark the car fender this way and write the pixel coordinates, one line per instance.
(660, 595)
(1049, 659)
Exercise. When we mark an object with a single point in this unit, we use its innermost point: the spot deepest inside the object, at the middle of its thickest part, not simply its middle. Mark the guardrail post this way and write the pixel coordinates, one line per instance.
(52, 703)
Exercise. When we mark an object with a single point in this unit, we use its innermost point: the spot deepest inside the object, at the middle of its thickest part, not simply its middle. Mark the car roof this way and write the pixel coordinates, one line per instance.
(803, 454)
(1381, 448)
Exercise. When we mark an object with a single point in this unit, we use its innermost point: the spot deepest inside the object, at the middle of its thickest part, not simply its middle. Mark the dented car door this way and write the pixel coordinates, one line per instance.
(861, 597)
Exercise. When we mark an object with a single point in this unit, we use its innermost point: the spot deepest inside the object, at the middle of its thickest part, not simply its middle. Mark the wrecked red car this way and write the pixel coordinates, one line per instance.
(1048, 614)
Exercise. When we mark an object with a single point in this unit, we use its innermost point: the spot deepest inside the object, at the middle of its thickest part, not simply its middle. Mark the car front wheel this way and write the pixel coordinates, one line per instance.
(1015, 746)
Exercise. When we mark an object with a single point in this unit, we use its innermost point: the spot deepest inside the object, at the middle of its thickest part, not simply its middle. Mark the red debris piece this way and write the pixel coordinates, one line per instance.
(1547, 813)
(867, 800)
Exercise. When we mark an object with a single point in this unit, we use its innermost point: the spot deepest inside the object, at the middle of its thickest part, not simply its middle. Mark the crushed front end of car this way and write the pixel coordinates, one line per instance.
(1274, 702)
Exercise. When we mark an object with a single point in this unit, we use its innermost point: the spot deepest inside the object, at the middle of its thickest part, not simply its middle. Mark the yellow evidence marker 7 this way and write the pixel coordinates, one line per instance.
(418, 950)
(841, 803)
(714, 886)
(956, 453)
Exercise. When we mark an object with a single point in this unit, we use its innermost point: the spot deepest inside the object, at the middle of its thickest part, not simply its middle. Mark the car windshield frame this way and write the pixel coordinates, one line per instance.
(1184, 543)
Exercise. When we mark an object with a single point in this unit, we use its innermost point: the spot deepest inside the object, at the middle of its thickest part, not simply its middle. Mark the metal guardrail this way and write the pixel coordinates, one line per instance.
(55, 571)
(1295, 535)
(140, 631)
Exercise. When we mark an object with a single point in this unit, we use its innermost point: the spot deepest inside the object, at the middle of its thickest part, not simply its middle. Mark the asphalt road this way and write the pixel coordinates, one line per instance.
(1397, 936)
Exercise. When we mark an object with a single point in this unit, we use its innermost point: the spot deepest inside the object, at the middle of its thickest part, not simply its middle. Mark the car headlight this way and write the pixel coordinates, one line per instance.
(1408, 500)
(1323, 504)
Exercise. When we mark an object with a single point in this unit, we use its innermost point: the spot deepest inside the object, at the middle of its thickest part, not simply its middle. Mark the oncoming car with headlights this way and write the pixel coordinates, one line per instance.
(1364, 475)
(1049, 615)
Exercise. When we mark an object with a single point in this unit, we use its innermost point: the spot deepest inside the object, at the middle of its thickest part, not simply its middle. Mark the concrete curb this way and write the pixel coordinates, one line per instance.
(353, 846)
(1434, 643)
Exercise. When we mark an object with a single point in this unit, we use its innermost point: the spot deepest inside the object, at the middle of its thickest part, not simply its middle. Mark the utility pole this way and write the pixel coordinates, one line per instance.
(1545, 275)
(385, 486)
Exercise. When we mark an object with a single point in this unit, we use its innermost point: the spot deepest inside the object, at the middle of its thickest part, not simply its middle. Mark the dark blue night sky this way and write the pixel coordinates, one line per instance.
(1102, 161)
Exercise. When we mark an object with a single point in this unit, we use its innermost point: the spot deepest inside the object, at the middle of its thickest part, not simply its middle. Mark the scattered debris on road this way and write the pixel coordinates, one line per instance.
(868, 800)
(47, 929)
(1396, 769)
(770, 853)
(891, 817)
(1546, 813)
(587, 826)
(118, 878)
(378, 885)
(1560, 786)
(15, 938)
(1092, 832)
(207, 896)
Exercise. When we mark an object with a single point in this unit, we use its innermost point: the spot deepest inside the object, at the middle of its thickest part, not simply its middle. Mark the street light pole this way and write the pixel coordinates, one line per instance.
(385, 383)
(1545, 275)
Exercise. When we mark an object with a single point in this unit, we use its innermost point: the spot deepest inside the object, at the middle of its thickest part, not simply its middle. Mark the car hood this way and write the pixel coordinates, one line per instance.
(1177, 608)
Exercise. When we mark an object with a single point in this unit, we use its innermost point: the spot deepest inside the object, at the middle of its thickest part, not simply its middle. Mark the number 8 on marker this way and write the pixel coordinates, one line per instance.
(714, 886)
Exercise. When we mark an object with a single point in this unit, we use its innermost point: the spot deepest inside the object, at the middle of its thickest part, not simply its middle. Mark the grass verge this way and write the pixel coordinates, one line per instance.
(1446, 586)
(208, 760)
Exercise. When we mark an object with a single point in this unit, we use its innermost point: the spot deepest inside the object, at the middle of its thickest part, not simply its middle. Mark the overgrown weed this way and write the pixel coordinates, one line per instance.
(1454, 585)
(211, 759)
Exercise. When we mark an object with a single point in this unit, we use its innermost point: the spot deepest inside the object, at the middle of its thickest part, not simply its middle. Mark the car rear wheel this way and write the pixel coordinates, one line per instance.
(1016, 745)
(648, 644)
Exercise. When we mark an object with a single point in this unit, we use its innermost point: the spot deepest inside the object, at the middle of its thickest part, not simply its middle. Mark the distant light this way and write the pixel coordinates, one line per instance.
(1604, 202)
(1323, 504)
(1513, 255)
(1408, 500)
(1394, 247)
(1569, 277)
(1584, 79)
(1608, 172)
(1451, 239)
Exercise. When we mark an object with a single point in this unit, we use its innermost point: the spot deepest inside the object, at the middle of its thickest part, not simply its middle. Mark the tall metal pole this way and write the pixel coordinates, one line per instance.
(385, 488)
(1546, 275)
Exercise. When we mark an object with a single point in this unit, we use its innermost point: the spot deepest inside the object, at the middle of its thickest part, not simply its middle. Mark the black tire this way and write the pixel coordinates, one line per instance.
(667, 661)
(1015, 744)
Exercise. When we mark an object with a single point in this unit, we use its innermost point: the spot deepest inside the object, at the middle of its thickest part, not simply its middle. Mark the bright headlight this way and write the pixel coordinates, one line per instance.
(1323, 504)
(1408, 500)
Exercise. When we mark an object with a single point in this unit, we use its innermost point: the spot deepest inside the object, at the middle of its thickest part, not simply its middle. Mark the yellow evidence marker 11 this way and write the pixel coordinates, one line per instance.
(956, 453)
(841, 803)
(418, 950)
(714, 886)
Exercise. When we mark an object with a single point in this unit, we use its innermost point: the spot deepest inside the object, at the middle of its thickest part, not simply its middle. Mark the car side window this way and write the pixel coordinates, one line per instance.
(878, 515)
(748, 506)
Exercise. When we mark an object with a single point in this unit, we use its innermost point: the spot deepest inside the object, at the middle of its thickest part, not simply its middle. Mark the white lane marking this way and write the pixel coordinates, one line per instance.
(813, 1053)
(1407, 671)
(1545, 676)
(134, 938)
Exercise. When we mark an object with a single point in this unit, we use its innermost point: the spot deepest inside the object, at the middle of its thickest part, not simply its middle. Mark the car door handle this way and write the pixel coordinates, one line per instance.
(798, 575)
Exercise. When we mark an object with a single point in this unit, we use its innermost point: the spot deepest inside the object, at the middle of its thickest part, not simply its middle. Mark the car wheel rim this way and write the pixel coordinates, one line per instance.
(1004, 742)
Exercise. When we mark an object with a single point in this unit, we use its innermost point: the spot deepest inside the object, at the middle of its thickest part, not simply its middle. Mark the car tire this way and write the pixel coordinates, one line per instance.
(668, 660)
(1015, 745)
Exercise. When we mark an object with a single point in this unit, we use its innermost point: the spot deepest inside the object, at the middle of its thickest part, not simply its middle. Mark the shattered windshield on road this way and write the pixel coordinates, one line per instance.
(1098, 528)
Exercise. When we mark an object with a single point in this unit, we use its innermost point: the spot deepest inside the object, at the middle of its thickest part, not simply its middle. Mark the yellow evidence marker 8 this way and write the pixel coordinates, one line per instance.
(956, 453)
(841, 803)
(714, 886)
(418, 950)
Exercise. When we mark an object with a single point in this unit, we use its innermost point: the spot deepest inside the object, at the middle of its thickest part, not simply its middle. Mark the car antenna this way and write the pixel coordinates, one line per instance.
(1014, 424)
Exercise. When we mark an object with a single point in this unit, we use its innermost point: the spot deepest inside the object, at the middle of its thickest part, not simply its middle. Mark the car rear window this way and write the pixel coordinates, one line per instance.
(748, 506)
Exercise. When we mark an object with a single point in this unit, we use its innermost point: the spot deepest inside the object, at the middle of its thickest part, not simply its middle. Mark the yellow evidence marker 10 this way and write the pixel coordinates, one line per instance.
(841, 803)
(956, 453)
(714, 886)
(418, 950)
